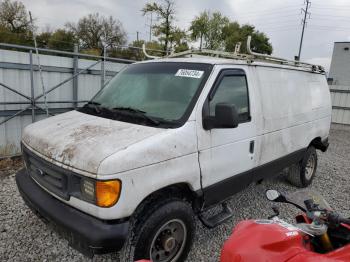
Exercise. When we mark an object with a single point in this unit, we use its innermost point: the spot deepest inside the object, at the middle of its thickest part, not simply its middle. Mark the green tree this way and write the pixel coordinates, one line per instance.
(14, 23)
(214, 37)
(178, 40)
(261, 43)
(6, 36)
(166, 14)
(215, 31)
(199, 27)
(43, 39)
(234, 33)
(208, 28)
(155, 45)
(95, 32)
(62, 39)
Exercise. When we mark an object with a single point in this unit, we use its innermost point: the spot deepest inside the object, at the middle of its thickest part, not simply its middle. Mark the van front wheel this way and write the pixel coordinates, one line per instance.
(302, 173)
(163, 233)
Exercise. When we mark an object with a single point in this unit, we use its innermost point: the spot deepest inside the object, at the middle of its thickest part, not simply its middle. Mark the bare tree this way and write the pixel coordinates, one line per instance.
(14, 16)
(95, 31)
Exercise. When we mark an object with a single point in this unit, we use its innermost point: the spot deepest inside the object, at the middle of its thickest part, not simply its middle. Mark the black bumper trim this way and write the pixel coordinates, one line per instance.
(85, 233)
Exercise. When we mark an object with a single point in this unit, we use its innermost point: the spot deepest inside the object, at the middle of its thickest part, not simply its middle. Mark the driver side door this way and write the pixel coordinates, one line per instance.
(228, 154)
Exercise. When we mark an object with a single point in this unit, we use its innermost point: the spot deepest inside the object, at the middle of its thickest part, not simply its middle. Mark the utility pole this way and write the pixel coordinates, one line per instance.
(150, 28)
(306, 14)
(150, 25)
(137, 35)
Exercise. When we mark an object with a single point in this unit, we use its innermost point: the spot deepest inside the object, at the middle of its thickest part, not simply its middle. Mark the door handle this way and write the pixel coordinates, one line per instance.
(251, 147)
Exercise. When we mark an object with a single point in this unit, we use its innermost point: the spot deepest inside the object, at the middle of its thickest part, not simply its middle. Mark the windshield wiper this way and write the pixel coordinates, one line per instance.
(139, 113)
(95, 105)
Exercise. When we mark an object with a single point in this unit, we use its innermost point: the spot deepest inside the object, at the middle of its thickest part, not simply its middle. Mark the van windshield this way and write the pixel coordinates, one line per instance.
(159, 92)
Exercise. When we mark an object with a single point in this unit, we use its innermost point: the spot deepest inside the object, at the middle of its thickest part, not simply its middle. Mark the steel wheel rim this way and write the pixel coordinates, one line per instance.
(169, 241)
(310, 167)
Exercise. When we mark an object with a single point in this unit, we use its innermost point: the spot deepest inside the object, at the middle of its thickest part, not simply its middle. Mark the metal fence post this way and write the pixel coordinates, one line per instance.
(32, 95)
(75, 79)
(103, 73)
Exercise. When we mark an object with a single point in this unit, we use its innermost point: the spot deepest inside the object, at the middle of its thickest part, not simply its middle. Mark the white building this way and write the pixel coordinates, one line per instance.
(339, 82)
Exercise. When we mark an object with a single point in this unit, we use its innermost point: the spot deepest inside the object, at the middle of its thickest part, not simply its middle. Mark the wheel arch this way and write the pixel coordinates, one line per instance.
(179, 190)
(320, 144)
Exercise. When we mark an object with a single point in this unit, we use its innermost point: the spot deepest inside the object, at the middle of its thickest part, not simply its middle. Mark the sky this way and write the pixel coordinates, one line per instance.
(329, 21)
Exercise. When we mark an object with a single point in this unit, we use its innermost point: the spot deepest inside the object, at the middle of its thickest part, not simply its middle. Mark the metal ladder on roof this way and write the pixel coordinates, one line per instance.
(251, 57)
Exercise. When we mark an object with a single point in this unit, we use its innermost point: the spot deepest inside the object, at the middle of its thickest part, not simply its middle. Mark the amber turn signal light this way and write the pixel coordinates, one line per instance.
(107, 192)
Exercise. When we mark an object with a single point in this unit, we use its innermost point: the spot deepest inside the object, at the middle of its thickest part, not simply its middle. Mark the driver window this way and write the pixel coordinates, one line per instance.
(232, 90)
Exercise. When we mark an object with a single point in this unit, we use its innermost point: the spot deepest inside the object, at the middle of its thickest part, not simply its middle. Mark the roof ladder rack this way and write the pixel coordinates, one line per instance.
(250, 57)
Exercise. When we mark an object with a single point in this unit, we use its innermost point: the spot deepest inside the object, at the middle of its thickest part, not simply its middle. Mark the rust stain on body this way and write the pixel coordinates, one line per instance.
(80, 135)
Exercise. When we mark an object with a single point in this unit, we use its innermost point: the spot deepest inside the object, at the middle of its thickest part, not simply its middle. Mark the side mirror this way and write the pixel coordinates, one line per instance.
(226, 116)
(275, 196)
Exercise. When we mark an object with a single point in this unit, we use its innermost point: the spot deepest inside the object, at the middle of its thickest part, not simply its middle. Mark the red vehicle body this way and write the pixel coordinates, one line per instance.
(320, 234)
(252, 241)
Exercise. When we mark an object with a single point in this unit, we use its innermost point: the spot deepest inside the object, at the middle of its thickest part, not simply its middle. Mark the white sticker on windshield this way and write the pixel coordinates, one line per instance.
(189, 73)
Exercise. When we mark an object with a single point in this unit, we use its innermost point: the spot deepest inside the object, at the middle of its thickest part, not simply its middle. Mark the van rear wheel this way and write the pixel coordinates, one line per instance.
(302, 173)
(163, 233)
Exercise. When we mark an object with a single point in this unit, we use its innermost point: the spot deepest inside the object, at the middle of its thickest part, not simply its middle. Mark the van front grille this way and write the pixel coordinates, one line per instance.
(48, 175)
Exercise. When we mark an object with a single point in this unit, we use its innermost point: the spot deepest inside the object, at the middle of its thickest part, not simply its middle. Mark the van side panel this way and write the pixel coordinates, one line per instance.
(296, 108)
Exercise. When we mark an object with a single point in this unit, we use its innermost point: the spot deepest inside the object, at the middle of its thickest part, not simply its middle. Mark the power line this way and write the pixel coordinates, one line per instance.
(279, 26)
(273, 10)
(256, 19)
(335, 8)
(331, 16)
(331, 27)
(275, 14)
(276, 22)
(306, 13)
(282, 30)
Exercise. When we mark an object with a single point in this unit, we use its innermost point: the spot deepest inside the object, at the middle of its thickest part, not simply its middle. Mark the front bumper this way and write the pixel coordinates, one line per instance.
(85, 233)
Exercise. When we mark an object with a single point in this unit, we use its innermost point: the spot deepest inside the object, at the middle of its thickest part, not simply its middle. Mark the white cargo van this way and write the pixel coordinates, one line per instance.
(165, 140)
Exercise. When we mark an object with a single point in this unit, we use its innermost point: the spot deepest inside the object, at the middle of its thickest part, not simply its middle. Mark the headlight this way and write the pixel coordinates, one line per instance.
(101, 193)
(88, 189)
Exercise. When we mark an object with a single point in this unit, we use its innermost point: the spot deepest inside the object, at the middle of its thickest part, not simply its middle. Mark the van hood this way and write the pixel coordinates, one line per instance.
(83, 141)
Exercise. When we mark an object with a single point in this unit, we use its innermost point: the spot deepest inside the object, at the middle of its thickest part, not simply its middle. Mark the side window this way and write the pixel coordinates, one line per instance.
(232, 89)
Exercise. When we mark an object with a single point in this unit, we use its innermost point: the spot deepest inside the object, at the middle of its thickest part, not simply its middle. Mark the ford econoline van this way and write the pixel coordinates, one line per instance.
(164, 141)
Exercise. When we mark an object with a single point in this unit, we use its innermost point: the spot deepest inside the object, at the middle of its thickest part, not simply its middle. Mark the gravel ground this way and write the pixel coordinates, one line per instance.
(23, 237)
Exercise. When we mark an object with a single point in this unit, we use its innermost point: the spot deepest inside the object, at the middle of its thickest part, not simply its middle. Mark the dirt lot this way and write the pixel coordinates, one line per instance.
(23, 237)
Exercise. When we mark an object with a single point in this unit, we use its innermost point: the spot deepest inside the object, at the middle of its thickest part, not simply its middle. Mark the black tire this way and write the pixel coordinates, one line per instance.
(145, 226)
(299, 174)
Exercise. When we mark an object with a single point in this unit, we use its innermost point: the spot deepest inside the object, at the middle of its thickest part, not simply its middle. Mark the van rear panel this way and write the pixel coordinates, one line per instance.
(295, 109)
